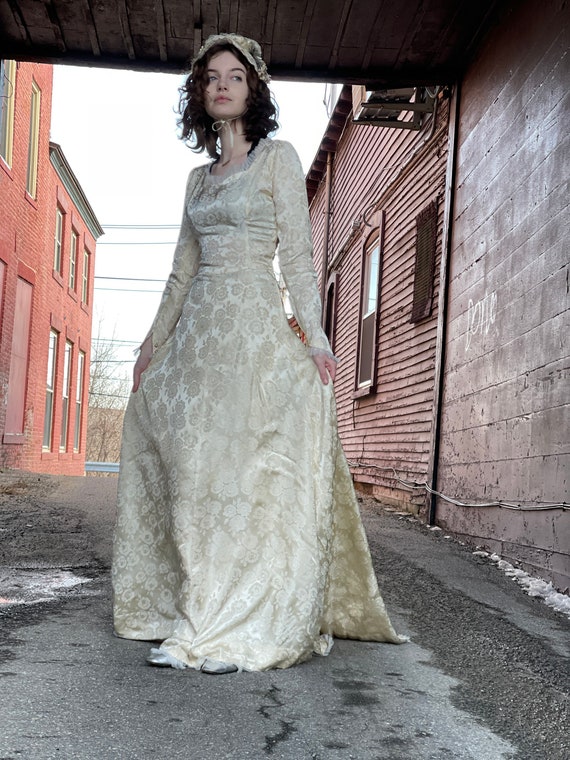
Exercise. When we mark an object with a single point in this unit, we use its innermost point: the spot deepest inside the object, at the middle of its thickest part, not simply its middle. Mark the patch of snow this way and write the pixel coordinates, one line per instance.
(532, 586)
(30, 587)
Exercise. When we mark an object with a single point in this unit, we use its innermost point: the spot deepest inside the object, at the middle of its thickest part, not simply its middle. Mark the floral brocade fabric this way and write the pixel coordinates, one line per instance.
(238, 534)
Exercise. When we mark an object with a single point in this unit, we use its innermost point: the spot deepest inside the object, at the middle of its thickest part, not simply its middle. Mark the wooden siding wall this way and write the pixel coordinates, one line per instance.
(507, 400)
(318, 222)
(399, 173)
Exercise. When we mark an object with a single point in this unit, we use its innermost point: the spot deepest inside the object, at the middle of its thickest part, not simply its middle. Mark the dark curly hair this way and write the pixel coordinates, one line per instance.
(195, 124)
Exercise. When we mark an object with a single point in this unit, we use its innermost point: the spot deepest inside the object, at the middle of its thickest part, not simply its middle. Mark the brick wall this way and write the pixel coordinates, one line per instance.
(27, 227)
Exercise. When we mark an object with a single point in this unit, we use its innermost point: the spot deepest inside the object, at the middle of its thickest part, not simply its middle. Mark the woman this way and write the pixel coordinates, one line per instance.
(239, 543)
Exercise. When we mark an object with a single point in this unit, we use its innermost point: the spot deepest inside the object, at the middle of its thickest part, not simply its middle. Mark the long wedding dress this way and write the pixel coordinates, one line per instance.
(238, 535)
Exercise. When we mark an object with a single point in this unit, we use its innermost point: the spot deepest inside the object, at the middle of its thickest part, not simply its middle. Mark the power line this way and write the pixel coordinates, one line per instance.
(111, 361)
(115, 340)
(128, 279)
(140, 226)
(141, 242)
(128, 290)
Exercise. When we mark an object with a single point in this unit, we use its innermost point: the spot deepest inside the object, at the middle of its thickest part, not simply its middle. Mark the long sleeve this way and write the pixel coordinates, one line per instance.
(295, 244)
(184, 266)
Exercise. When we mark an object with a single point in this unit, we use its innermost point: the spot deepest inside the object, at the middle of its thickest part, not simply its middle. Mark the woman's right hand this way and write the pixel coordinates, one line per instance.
(142, 362)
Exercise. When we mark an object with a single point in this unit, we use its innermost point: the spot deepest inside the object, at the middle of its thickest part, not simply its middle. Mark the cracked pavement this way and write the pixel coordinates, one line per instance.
(485, 676)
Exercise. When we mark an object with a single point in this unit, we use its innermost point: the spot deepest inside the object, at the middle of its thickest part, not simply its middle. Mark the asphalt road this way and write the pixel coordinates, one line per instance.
(486, 675)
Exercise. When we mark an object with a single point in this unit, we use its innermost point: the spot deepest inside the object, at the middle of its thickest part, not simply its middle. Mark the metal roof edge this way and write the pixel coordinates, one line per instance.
(329, 141)
(71, 184)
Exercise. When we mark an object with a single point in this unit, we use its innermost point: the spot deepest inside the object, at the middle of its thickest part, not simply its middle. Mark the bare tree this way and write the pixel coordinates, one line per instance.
(109, 386)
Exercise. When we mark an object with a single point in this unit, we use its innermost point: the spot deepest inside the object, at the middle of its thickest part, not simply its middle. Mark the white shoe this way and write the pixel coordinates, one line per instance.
(217, 668)
(161, 659)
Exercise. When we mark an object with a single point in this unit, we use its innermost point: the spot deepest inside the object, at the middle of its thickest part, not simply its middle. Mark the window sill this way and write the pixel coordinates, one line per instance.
(7, 169)
(72, 294)
(13, 438)
(363, 392)
(32, 201)
(57, 277)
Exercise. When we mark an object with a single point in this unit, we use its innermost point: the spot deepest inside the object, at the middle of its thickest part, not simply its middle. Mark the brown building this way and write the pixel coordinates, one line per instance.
(443, 253)
(47, 257)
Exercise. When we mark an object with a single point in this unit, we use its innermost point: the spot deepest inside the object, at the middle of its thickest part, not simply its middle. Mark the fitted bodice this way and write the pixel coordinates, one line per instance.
(232, 227)
(234, 220)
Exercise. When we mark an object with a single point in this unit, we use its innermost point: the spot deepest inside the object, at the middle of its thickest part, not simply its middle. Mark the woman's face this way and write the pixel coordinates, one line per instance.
(227, 90)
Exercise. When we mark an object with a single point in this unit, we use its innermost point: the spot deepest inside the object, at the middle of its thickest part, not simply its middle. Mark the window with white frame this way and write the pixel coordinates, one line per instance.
(34, 142)
(50, 387)
(331, 297)
(66, 385)
(58, 241)
(7, 100)
(79, 400)
(73, 260)
(369, 304)
(85, 277)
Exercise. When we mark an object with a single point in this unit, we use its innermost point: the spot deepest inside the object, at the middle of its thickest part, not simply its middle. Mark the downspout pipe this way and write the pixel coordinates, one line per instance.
(326, 233)
(443, 294)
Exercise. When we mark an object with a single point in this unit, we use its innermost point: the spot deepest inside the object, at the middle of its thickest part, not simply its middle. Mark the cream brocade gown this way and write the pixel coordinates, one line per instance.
(238, 535)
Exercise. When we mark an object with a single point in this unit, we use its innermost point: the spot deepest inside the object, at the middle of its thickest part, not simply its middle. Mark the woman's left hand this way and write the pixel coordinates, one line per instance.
(326, 366)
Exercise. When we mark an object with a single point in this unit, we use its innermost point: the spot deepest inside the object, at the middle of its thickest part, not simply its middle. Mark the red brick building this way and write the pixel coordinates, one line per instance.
(48, 233)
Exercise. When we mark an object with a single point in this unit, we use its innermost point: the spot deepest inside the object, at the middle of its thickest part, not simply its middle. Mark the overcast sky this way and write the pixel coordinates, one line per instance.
(118, 131)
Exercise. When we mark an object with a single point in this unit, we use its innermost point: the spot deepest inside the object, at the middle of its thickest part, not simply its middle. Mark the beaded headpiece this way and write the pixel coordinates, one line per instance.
(250, 50)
